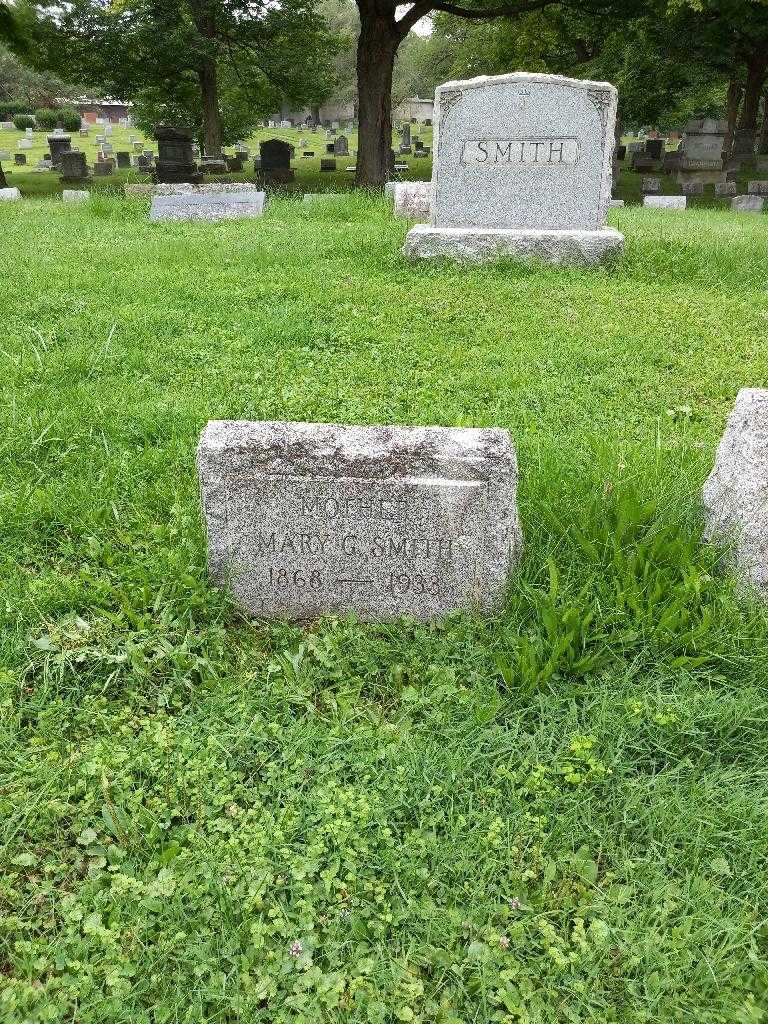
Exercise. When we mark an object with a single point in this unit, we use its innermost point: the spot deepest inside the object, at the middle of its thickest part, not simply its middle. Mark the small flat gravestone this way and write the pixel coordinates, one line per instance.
(757, 188)
(650, 186)
(747, 204)
(666, 202)
(735, 493)
(207, 206)
(725, 188)
(413, 199)
(306, 519)
(10, 193)
(522, 167)
(73, 195)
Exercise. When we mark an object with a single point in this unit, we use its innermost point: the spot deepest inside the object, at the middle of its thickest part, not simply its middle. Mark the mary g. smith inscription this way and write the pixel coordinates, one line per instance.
(305, 519)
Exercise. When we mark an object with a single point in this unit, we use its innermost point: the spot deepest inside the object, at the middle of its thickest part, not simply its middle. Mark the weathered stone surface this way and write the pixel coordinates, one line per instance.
(666, 202)
(413, 199)
(175, 162)
(207, 206)
(702, 144)
(692, 188)
(616, 203)
(10, 193)
(736, 493)
(72, 195)
(725, 188)
(184, 188)
(748, 204)
(758, 188)
(526, 158)
(305, 519)
(650, 186)
(479, 245)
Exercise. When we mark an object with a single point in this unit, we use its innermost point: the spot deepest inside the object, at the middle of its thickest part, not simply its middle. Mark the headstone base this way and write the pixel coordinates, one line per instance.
(480, 245)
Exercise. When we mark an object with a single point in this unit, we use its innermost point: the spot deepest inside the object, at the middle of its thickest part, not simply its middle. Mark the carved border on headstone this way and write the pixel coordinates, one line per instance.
(601, 100)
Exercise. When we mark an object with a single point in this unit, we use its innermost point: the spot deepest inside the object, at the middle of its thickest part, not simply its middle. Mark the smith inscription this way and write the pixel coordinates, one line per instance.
(521, 152)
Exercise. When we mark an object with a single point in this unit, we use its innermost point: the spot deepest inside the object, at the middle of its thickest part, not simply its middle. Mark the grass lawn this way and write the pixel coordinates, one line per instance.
(555, 815)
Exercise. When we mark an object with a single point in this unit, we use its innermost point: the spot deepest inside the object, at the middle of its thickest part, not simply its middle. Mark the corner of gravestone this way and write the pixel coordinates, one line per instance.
(734, 495)
(308, 519)
(537, 188)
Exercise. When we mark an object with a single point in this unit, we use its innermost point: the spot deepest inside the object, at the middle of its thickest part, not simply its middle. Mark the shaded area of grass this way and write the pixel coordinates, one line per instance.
(557, 814)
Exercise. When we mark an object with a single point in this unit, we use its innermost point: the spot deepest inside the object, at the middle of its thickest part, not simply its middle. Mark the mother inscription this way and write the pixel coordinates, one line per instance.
(306, 519)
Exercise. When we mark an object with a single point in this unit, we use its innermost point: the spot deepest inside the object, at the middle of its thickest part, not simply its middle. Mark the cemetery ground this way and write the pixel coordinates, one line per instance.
(554, 814)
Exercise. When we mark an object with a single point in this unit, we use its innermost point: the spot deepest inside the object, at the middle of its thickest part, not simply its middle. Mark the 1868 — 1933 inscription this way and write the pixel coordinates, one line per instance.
(305, 519)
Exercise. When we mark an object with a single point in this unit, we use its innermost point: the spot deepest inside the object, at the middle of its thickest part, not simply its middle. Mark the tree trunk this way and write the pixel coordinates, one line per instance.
(744, 141)
(209, 90)
(376, 48)
(733, 102)
(3, 182)
(762, 145)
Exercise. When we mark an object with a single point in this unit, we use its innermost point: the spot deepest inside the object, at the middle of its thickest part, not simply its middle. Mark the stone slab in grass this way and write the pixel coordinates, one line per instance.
(736, 492)
(10, 193)
(306, 519)
(748, 204)
(74, 195)
(210, 206)
(521, 161)
(413, 199)
(666, 202)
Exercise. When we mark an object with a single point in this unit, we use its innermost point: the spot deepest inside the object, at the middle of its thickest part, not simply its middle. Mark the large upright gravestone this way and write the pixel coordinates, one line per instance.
(275, 163)
(175, 162)
(522, 167)
(736, 493)
(305, 519)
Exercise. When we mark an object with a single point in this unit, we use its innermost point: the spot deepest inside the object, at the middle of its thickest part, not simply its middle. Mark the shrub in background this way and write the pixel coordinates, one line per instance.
(47, 118)
(23, 121)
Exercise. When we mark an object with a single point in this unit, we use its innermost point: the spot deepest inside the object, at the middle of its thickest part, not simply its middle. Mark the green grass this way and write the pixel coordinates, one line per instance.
(40, 184)
(554, 815)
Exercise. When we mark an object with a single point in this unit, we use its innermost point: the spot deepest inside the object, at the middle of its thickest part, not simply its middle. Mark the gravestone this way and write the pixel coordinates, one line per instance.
(330, 148)
(5, 154)
(665, 202)
(725, 188)
(107, 149)
(327, 164)
(209, 206)
(654, 148)
(702, 151)
(138, 147)
(522, 167)
(71, 195)
(123, 158)
(174, 158)
(692, 188)
(83, 131)
(20, 159)
(341, 146)
(73, 166)
(306, 519)
(44, 165)
(29, 132)
(413, 199)
(734, 495)
(650, 186)
(7, 126)
(234, 163)
(757, 188)
(747, 204)
(25, 144)
(405, 134)
(275, 155)
(10, 193)
(57, 145)
(308, 153)
(103, 168)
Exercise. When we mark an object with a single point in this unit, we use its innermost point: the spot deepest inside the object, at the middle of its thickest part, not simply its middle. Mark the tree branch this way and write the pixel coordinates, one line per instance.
(424, 7)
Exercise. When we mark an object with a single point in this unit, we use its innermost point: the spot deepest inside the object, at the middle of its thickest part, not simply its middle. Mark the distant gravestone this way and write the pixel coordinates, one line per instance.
(58, 144)
(341, 146)
(330, 148)
(757, 188)
(175, 162)
(25, 144)
(654, 148)
(9, 193)
(327, 165)
(210, 206)
(735, 493)
(5, 154)
(748, 204)
(103, 168)
(725, 188)
(123, 158)
(20, 159)
(275, 155)
(308, 153)
(308, 519)
(73, 166)
(665, 202)
(539, 186)
(692, 188)
(650, 186)
(71, 195)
